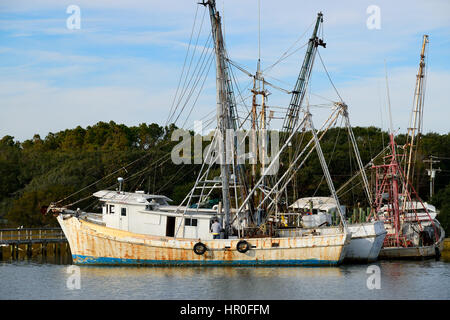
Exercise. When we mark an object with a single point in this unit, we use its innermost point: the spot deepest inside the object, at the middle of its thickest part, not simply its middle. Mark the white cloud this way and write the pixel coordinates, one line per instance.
(72, 77)
(367, 99)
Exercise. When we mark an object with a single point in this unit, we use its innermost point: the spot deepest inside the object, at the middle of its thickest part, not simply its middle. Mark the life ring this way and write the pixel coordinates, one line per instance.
(242, 246)
(199, 248)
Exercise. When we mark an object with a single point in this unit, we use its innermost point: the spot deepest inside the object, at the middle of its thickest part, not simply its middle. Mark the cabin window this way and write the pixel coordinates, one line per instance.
(123, 212)
(160, 201)
(111, 209)
(190, 222)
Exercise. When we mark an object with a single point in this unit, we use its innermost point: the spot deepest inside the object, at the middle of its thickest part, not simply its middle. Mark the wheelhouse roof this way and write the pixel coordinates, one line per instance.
(131, 197)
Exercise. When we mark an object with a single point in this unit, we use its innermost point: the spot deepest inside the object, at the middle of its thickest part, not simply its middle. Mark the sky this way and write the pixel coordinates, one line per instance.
(124, 62)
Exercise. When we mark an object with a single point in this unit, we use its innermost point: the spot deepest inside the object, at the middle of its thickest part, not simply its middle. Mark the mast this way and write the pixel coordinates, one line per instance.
(298, 93)
(223, 121)
(415, 125)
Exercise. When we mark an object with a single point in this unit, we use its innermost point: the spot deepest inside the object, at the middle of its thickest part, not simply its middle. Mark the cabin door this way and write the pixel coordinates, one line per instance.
(123, 219)
(170, 226)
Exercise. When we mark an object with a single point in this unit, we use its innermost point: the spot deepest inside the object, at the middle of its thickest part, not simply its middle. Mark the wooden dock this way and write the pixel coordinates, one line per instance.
(32, 241)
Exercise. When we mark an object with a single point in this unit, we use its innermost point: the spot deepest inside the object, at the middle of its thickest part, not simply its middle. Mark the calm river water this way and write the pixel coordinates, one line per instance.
(37, 279)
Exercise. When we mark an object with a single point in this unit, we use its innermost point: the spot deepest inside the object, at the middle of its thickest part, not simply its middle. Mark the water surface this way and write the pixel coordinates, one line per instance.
(44, 279)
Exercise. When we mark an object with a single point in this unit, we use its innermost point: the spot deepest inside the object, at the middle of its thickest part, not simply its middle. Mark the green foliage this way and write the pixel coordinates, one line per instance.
(36, 172)
(442, 200)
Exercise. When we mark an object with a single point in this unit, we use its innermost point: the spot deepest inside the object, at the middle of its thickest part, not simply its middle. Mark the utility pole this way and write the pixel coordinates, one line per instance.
(432, 173)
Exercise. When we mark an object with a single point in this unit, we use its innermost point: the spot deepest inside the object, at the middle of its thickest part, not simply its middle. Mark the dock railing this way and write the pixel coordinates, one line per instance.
(31, 235)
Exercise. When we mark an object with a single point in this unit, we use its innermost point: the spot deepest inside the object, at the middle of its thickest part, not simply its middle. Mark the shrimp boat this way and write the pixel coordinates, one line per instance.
(367, 237)
(413, 232)
(143, 229)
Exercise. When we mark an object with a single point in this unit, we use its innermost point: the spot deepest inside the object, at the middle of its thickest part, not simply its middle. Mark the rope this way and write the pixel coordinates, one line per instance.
(184, 65)
(286, 52)
(328, 75)
(331, 158)
(200, 62)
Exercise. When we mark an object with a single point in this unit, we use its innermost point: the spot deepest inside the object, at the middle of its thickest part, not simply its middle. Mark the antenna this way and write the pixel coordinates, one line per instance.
(391, 130)
(259, 30)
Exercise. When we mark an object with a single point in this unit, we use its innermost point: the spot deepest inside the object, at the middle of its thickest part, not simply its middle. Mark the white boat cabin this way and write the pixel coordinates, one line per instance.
(316, 211)
(143, 213)
(414, 211)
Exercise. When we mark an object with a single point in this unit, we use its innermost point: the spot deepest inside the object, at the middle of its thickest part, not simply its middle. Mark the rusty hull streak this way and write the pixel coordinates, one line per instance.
(89, 239)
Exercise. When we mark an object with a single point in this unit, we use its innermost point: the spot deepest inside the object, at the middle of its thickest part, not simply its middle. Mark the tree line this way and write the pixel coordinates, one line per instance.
(38, 171)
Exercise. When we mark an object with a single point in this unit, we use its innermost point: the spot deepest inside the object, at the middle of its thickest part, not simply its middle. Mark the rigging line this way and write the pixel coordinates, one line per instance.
(240, 92)
(328, 75)
(137, 185)
(240, 68)
(386, 148)
(293, 52)
(319, 96)
(285, 179)
(94, 183)
(331, 157)
(90, 205)
(282, 56)
(198, 94)
(80, 200)
(146, 169)
(234, 80)
(206, 46)
(234, 86)
(276, 79)
(123, 167)
(173, 177)
(198, 77)
(195, 73)
(184, 65)
(187, 83)
(191, 60)
(351, 189)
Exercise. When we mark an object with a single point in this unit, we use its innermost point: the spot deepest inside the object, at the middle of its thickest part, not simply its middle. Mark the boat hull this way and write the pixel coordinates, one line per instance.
(366, 242)
(411, 253)
(91, 243)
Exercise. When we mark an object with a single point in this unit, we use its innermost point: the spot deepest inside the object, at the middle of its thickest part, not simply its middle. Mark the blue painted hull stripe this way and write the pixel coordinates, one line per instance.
(80, 259)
